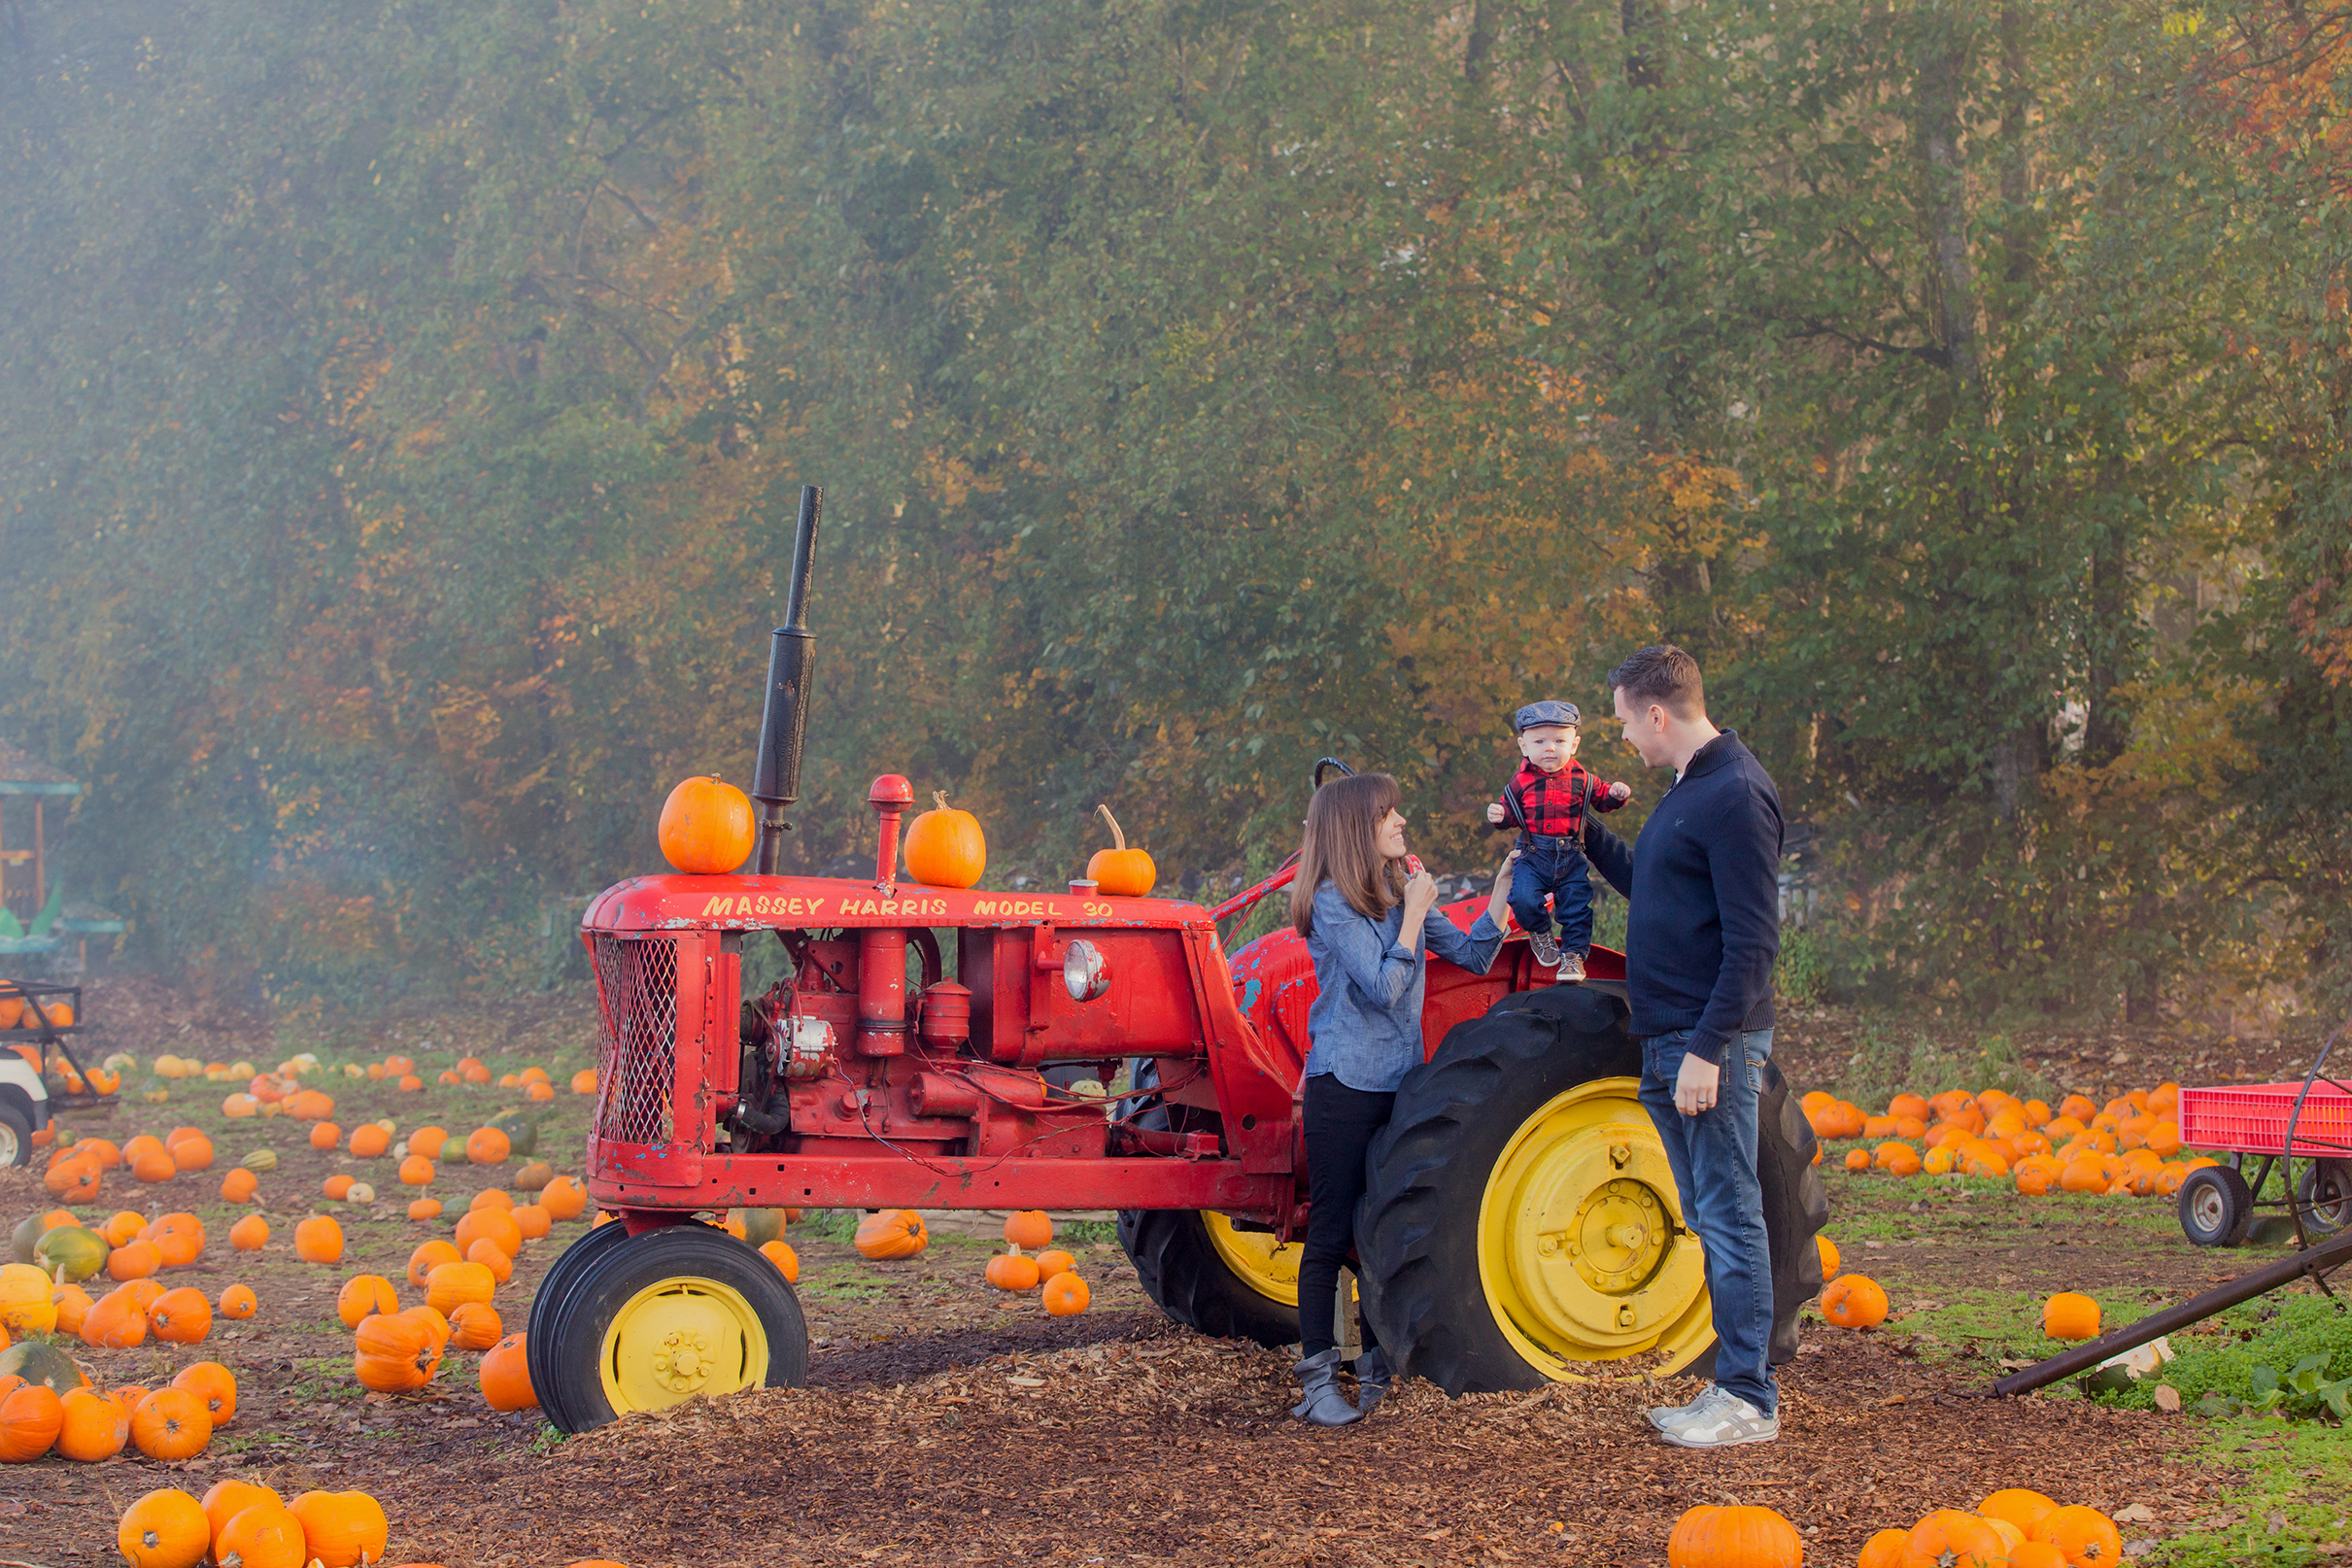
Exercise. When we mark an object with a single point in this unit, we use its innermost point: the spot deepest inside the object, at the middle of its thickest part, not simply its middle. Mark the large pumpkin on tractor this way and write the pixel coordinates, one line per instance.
(1520, 1218)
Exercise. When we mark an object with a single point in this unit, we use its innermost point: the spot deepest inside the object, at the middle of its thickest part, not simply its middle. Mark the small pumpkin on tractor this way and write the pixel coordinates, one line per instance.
(1521, 1220)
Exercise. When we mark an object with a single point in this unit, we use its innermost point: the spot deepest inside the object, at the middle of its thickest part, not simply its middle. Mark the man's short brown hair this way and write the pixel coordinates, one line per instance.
(1663, 674)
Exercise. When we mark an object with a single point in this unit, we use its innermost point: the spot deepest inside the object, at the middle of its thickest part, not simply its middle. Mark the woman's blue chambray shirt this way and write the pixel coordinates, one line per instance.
(1365, 1027)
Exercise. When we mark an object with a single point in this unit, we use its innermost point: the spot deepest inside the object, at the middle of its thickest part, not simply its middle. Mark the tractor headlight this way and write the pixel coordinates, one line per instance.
(1083, 972)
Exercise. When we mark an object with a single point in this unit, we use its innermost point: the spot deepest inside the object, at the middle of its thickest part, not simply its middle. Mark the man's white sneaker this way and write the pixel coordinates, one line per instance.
(1722, 1421)
(1663, 1416)
(1545, 949)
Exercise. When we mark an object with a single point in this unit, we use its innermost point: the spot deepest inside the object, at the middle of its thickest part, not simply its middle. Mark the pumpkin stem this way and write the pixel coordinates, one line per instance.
(939, 799)
(1118, 840)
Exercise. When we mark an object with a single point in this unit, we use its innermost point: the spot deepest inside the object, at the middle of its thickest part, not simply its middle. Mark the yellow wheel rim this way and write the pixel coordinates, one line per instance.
(680, 1338)
(1581, 1248)
(1269, 1267)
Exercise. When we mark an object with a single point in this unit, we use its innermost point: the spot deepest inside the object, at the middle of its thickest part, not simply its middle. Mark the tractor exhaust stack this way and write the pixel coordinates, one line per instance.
(775, 781)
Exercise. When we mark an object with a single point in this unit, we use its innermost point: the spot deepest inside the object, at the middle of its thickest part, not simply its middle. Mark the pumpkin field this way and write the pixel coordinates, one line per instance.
(948, 1420)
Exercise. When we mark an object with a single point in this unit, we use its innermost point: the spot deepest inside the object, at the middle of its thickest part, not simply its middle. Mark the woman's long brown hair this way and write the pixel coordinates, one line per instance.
(1342, 847)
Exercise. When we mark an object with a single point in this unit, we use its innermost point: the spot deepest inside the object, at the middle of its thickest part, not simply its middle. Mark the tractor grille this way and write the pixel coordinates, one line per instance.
(638, 995)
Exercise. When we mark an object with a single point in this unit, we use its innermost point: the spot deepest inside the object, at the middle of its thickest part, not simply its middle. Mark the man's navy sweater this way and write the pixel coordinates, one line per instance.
(1703, 884)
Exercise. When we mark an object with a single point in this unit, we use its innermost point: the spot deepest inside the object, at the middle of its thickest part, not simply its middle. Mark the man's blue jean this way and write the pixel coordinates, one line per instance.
(1714, 1159)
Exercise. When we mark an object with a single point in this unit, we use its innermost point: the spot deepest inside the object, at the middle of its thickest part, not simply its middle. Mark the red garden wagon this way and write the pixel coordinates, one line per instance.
(2276, 1124)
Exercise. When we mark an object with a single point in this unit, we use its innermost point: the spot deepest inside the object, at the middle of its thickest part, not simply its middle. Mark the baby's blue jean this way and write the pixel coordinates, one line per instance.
(1553, 868)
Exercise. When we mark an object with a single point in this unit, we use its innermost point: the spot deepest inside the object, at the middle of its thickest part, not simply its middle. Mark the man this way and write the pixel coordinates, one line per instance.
(1701, 935)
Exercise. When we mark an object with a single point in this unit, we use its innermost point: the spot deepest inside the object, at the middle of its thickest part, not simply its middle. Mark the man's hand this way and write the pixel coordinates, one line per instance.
(1696, 1084)
(1620, 792)
(1494, 812)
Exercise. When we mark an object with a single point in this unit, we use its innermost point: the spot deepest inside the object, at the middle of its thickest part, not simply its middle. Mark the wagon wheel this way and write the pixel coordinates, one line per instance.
(661, 1317)
(1522, 1217)
(2322, 1193)
(1197, 1265)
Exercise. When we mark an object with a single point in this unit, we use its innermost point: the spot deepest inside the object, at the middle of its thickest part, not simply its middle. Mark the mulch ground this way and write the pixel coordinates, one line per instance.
(945, 1423)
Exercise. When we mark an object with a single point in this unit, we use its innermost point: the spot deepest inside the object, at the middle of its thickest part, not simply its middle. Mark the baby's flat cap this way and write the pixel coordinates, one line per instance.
(1551, 711)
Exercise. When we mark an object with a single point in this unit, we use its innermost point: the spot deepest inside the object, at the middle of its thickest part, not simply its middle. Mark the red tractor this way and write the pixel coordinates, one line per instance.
(934, 1048)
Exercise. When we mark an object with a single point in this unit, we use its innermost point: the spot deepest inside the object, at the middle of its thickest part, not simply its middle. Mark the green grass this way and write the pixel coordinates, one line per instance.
(2292, 1507)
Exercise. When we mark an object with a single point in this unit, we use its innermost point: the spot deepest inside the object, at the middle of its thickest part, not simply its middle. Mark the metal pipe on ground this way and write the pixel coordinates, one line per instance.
(2328, 1255)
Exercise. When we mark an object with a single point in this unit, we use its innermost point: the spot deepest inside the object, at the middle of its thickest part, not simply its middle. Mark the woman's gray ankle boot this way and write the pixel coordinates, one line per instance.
(1372, 1375)
(1322, 1403)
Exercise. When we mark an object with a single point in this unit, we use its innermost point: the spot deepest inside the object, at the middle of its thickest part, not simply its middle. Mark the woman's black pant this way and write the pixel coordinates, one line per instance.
(1340, 1125)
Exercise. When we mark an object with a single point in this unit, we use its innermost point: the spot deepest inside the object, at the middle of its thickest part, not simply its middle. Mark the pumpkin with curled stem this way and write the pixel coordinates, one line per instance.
(393, 1354)
(164, 1529)
(894, 1233)
(1120, 872)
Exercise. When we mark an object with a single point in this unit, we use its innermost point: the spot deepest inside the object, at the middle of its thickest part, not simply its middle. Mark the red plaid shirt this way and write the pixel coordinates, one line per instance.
(1553, 804)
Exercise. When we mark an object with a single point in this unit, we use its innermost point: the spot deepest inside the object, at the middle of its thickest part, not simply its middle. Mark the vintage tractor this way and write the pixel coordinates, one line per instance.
(928, 1048)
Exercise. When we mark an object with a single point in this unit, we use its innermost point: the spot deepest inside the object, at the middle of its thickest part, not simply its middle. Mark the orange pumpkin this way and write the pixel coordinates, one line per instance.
(506, 1375)
(2038, 1554)
(1012, 1271)
(429, 1256)
(30, 1418)
(1853, 1301)
(318, 1240)
(786, 1260)
(179, 1238)
(2087, 1537)
(91, 1427)
(1951, 1538)
(2068, 1316)
(450, 1284)
(341, 1529)
(72, 1303)
(250, 1234)
(123, 1226)
(395, 1355)
(893, 1233)
(532, 1220)
(164, 1529)
(1120, 872)
(229, 1498)
(214, 1385)
(411, 1083)
(154, 1166)
(424, 1209)
(181, 1316)
(428, 1142)
(945, 847)
(564, 1199)
(488, 1145)
(493, 1225)
(1884, 1550)
(705, 827)
(1029, 1229)
(474, 1326)
(416, 1170)
(584, 1081)
(239, 1302)
(362, 1296)
(170, 1424)
(369, 1141)
(325, 1136)
(134, 1260)
(311, 1104)
(1066, 1294)
(1054, 1261)
(265, 1535)
(1750, 1537)
(489, 1254)
(338, 1186)
(239, 1185)
(115, 1322)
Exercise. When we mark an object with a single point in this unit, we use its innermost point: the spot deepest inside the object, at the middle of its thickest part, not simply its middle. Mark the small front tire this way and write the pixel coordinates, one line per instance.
(669, 1315)
(16, 1138)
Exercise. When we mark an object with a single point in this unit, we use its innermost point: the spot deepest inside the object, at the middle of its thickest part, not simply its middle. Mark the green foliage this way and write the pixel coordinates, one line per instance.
(397, 453)
(2298, 1360)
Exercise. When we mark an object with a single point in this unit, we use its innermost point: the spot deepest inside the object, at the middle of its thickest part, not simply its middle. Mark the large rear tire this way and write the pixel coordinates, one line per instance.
(548, 1307)
(1521, 1219)
(667, 1315)
(1196, 1265)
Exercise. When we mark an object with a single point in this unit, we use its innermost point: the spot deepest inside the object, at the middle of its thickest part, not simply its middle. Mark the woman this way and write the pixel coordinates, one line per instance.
(1370, 928)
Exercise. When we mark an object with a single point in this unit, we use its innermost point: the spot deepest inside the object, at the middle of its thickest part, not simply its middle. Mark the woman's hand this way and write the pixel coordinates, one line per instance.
(1420, 897)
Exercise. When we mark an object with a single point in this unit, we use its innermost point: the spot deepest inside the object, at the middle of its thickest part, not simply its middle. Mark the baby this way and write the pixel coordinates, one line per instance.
(1546, 800)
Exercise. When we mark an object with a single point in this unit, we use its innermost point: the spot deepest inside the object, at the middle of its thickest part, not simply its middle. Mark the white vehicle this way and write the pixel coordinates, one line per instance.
(24, 1107)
